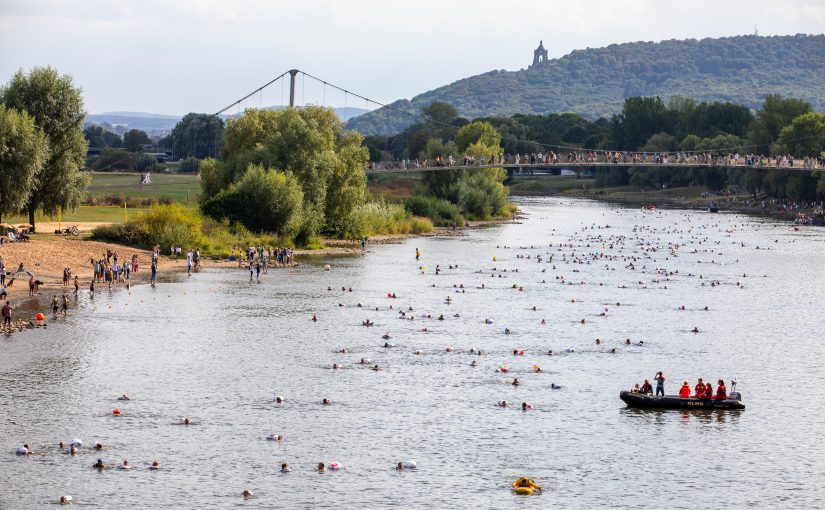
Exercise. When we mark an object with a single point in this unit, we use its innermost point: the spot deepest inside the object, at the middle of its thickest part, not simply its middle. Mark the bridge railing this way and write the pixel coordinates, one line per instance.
(603, 159)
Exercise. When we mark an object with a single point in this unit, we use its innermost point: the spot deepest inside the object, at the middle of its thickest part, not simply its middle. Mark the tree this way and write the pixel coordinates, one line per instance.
(311, 144)
(23, 151)
(101, 138)
(56, 106)
(776, 113)
(134, 139)
(198, 135)
(482, 132)
(440, 112)
(189, 166)
(804, 136)
(263, 200)
(641, 118)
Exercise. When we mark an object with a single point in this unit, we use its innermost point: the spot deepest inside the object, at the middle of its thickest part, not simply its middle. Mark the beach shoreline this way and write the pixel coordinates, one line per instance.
(46, 255)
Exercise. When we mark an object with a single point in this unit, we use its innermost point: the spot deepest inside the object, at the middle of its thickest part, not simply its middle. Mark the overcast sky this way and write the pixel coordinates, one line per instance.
(176, 56)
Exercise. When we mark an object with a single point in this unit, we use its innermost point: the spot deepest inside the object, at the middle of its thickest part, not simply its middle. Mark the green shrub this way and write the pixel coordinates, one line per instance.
(442, 212)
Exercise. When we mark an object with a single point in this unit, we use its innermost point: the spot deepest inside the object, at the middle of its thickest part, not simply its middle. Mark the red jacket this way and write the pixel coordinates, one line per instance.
(700, 390)
(721, 392)
(684, 392)
(708, 391)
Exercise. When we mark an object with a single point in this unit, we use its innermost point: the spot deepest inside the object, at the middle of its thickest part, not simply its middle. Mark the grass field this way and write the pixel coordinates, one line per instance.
(183, 188)
(176, 187)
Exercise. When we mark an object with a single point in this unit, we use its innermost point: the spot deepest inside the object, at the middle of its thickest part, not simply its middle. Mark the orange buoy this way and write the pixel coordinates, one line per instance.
(116, 412)
(39, 316)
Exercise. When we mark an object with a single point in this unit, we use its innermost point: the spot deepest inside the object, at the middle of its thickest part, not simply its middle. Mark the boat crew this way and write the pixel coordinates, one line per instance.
(684, 391)
(700, 389)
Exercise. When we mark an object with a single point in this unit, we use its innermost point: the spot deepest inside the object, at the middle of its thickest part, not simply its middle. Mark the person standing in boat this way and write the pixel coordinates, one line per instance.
(660, 383)
(700, 389)
(721, 391)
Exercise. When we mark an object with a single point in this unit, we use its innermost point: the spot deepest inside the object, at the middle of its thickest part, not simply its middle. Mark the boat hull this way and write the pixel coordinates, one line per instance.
(639, 401)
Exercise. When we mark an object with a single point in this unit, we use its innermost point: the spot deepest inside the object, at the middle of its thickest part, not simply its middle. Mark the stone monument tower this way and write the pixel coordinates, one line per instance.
(539, 55)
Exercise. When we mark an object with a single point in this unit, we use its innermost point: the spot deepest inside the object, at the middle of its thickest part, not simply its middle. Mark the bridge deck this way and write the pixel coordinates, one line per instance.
(583, 165)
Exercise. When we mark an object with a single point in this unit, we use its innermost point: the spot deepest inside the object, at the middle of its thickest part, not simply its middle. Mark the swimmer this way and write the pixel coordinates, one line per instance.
(536, 368)
(326, 402)
(363, 361)
(125, 465)
(418, 353)
(97, 446)
(526, 405)
(506, 331)
(274, 437)
(124, 397)
(473, 363)
(694, 330)
(314, 318)
(336, 366)
(598, 342)
(247, 493)
(515, 382)
(279, 399)
(386, 336)
(502, 403)
(155, 465)
(61, 445)
(613, 351)
(99, 464)
(73, 450)
(65, 500)
(487, 321)
(321, 467)
(185, 421)
(449, 349)
(407, 464)
(627, 342)
(554, 386)
(24, 450)
(285, 468)
(375, 368)
(550, 352)
(543, 322)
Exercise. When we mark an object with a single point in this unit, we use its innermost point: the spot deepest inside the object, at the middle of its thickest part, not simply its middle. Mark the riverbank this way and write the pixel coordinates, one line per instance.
(690, 197)
(46, 255)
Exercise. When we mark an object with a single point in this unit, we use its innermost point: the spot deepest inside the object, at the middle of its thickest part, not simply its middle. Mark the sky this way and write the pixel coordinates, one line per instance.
(177, 56)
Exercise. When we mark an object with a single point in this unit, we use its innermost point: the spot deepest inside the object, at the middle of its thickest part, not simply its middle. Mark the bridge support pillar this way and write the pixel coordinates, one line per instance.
(292, 74)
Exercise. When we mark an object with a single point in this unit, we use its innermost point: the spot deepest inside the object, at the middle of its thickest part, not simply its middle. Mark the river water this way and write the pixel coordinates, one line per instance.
(218, 349)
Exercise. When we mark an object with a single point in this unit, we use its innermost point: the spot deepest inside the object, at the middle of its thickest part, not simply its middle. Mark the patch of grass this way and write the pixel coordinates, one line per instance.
(183, 188)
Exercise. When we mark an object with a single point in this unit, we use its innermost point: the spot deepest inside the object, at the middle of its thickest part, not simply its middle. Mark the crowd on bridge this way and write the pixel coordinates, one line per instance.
(607, 158)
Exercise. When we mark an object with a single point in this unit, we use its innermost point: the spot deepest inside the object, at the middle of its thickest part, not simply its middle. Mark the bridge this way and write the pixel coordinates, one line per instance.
(546, 168)
(553, 156)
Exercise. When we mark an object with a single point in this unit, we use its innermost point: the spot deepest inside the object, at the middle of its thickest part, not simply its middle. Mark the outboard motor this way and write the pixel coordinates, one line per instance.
(735, 395)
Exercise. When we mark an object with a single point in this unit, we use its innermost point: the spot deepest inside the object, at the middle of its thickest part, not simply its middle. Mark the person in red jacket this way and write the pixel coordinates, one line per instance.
(708, 391)
(721, 391)
(700, 389)
(684, 391)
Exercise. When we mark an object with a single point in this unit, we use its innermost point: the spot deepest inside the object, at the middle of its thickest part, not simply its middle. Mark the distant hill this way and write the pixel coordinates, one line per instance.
(594, 82)
(160, 124)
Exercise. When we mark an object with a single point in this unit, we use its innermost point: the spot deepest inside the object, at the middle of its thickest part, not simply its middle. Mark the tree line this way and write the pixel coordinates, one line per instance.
(782, 126)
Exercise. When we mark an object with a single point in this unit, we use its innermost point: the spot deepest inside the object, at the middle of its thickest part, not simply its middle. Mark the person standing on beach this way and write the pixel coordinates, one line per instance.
(7, 312)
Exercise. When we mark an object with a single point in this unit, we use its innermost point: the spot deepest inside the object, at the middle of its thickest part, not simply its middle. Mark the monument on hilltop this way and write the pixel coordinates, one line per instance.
(539, 56)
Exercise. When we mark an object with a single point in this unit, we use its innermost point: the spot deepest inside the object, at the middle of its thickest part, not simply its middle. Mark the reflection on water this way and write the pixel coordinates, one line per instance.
(217, 349)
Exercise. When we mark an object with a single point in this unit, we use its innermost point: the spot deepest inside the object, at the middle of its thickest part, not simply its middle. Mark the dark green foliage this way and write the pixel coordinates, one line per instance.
(443, 213)
(197, 135)
(111, 160)
(100, 138)
(134, 138)
(594, 82)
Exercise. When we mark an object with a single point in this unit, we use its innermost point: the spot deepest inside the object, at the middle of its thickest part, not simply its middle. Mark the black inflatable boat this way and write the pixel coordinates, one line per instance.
(640, 401)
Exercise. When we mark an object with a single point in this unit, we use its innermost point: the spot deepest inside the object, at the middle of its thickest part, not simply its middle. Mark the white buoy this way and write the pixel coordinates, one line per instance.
(327, 267)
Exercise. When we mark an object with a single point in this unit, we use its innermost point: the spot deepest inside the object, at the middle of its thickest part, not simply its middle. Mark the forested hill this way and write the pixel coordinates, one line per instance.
(594, 82)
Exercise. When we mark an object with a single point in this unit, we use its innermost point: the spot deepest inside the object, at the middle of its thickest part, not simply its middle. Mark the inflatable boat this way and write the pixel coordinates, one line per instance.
(639, 401)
